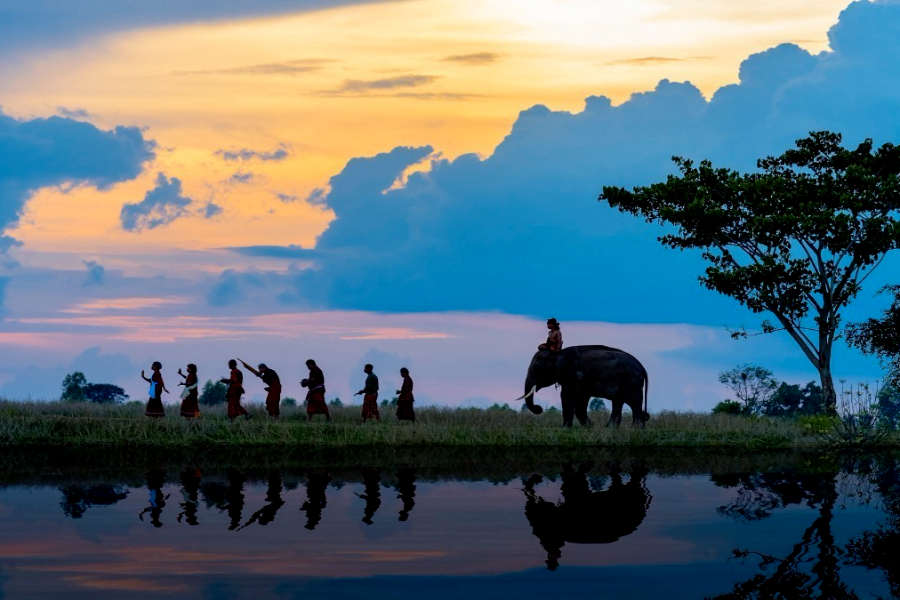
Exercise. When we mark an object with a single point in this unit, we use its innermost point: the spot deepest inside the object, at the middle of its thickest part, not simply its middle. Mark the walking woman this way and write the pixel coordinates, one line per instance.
(235, 383)
(190, 406)
(157, 387)
(405, 398)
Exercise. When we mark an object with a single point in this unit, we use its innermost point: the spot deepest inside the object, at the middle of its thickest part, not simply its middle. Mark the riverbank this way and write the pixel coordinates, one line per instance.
(66, 425)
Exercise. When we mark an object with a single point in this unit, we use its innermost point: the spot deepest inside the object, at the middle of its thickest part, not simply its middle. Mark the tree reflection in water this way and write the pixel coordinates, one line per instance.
(316, 485)
(586, 515)
(78, 498)
(812, 568)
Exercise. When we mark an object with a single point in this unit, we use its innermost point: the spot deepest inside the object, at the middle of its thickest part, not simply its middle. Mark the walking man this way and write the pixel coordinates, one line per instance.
(370, 397)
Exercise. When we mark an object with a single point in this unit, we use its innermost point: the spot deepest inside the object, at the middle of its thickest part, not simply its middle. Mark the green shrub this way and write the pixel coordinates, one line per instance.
(728, 407)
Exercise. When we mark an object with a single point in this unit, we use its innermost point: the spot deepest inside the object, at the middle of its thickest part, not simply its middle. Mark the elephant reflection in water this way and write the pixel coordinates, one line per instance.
(316, 485)
(266, 514)
(585, 515)
(155, 481)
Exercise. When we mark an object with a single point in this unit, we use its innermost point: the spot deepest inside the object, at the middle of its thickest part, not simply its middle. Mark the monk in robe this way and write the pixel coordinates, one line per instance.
(273, 387)
(315, 397)
(190, 405)
(370, 396)
(554, 338)
(157, 387)
(235, 383)
(405, 398)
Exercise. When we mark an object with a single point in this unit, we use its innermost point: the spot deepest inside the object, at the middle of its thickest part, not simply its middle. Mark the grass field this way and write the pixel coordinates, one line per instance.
(56, 424)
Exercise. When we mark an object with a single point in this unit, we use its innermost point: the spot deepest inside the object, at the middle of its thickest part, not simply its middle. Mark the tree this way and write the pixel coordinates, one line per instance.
(795, 239)
(792, 400)
(288, 401)
(336, 403)
(213, 393)
(889, 406)
(881, 337)
(104, 393)
(752, 386)
(73, 387)
(728, 407)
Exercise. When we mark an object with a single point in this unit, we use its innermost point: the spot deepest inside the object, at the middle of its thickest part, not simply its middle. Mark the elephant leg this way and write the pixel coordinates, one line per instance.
(637, 411)
(615, 417)
(581, 406)
(568, 406)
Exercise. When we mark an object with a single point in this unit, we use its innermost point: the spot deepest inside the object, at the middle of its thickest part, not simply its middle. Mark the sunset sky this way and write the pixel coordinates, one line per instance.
(403, 183)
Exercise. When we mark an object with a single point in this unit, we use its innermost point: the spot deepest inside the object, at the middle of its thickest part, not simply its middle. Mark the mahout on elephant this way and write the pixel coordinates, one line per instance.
(585, 372)
(587, 515)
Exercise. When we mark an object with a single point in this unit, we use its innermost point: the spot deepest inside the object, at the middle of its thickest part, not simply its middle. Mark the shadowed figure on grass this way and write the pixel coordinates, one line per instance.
(585, 372)
(586, 515)
(155, 481)
(316, 487)
(266, 514)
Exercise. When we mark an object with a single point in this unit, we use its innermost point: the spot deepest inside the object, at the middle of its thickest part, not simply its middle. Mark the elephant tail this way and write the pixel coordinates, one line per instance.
(645, 416)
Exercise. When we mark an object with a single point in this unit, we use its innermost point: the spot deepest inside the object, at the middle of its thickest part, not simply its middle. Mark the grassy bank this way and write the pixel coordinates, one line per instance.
(54, 424)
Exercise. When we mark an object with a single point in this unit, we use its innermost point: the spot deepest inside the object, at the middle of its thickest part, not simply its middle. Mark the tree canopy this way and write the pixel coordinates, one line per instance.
(75, 388)
(795, 239)
(881, 337)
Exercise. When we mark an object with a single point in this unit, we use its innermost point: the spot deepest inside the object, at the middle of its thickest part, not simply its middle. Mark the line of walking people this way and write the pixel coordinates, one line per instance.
(314, 384)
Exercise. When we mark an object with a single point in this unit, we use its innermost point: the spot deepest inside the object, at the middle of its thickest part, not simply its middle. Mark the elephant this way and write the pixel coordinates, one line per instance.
(584, 372)
(585, 515)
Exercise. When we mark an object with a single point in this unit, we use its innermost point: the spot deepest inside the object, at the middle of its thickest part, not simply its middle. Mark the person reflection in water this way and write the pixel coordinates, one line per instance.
(406, 490)
(585, 516)
(235, 497)
(316, 485)
(190, 486)
(372, 495)
(155, 481)
(266, 514)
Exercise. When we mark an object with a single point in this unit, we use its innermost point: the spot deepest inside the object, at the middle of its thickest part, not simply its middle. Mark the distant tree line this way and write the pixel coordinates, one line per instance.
(75, 388)
(757, 392)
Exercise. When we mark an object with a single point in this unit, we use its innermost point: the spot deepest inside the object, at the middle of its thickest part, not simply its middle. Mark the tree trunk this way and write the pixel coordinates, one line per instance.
(828, 392)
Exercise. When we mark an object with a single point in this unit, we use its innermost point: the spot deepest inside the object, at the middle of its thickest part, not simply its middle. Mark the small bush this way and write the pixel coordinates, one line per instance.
(728, 407)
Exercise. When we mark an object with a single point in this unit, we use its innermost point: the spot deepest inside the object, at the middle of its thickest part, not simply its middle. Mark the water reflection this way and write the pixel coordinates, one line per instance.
(190, 488)
(406, 491)
(586, 515)
(78, 498)
(316, 501)
(372, 495)
(266, 514)
(155, 481)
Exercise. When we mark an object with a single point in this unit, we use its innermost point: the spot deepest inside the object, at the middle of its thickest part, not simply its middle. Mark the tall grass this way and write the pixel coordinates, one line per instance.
(56, 424)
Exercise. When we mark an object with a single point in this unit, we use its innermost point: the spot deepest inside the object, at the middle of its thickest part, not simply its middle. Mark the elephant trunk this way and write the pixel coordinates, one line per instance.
(530, 389)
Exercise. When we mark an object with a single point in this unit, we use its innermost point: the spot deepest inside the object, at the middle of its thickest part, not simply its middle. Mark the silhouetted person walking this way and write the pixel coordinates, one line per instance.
(235, 383)
(370, 397)
(190, 405)
(405, 398)
(157, 387)
(273, 387)
(315, 396)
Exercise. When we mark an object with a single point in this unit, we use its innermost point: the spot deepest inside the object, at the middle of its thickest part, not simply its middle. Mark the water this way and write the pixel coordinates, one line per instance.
(448, 524)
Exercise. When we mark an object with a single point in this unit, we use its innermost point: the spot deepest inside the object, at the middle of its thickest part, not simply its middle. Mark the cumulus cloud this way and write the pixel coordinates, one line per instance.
(40, 153)
(96, 273)
(521, 230)
(246, 154)
(160, 206)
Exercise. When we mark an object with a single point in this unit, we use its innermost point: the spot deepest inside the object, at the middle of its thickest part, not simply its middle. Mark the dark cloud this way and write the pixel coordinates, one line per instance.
(55, 151)
(241, 177)
(246, 154)
(29, 26)
(390, 83)
(288, 67)
(212, 210)
(291, 251)
(287, 198)
(522, 231)
(160, 206)
(96, 273)
(476, 58)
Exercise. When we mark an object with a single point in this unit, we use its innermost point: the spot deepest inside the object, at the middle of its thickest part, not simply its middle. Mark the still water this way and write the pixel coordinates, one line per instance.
(449, 524)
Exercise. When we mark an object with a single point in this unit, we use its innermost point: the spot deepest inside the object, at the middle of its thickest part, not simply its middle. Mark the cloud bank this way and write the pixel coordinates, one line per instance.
(522, 231)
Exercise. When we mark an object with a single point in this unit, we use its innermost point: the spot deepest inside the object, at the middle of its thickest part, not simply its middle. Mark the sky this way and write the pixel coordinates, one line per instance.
(409, 183)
